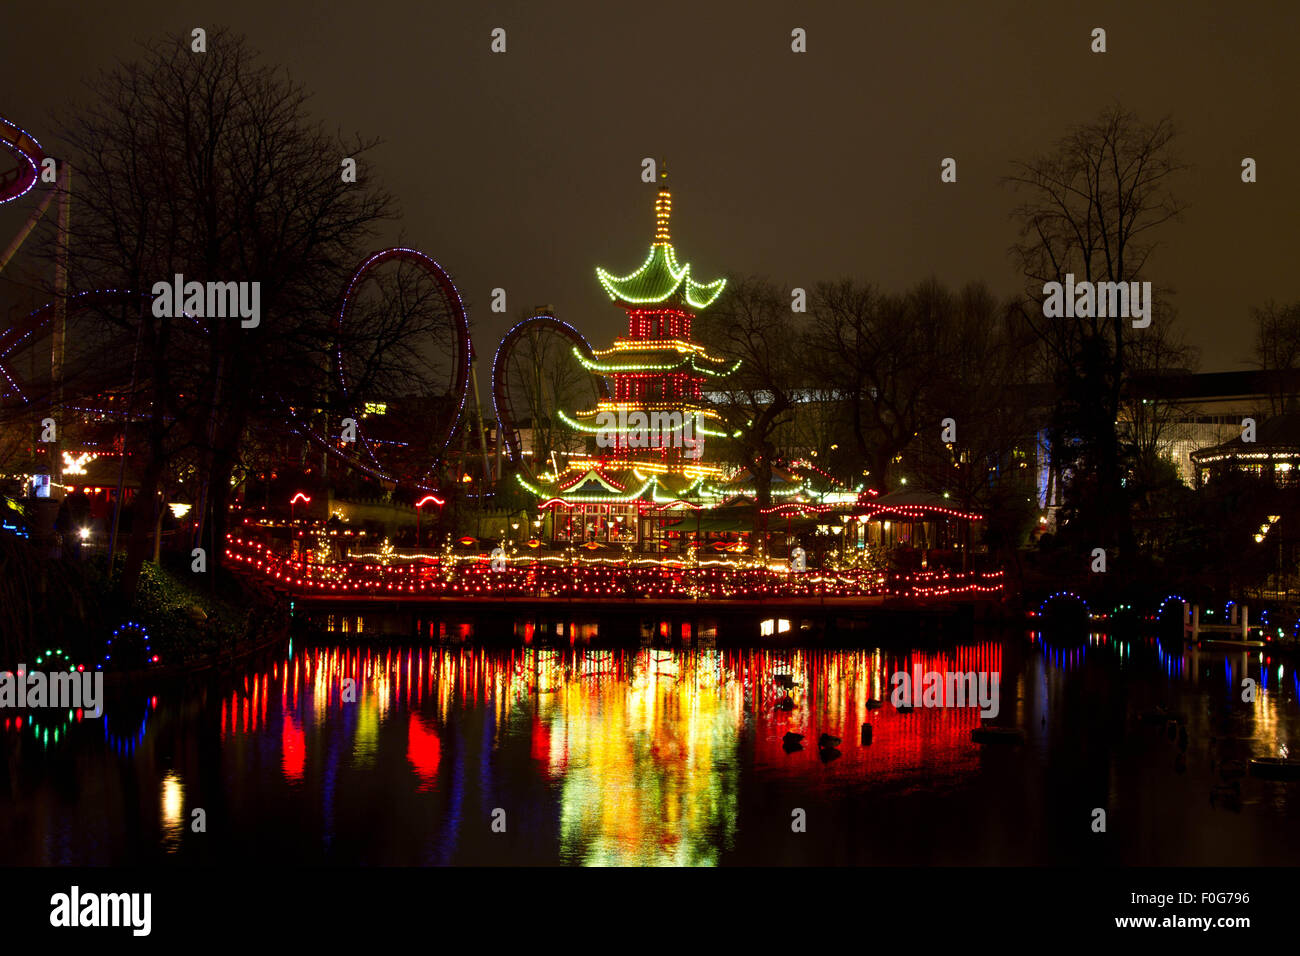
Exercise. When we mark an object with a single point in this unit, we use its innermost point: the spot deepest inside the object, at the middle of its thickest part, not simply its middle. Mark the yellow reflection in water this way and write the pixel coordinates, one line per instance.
(366, 738)
(650, 766)
(173, 811)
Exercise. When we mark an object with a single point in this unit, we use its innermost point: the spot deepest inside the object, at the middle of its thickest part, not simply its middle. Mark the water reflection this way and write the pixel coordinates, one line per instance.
(424, 751)
(392, 754)
(647, 750)
(173, 804)
(644, 748)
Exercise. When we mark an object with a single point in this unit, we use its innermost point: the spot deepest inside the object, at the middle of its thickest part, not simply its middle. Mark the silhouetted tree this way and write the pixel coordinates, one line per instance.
(209, 166)
(752, 323)
(1277, 351)
(1091, 209)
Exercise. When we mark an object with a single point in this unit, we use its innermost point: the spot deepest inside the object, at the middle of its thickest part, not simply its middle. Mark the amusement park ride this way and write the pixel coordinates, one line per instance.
(401, 442)
(364, 446)
(32, 165)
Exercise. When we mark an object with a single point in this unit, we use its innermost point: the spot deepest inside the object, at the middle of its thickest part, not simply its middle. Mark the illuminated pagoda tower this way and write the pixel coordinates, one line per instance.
(648, 469)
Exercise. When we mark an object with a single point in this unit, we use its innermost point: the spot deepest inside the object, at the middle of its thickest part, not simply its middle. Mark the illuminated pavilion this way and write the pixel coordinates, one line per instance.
(649, 478)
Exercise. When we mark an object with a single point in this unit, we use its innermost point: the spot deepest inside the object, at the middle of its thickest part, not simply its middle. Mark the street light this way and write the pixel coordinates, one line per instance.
(420, 504)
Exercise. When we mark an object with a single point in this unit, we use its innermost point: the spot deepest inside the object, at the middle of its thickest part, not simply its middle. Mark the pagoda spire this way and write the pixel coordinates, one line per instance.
(663, 208)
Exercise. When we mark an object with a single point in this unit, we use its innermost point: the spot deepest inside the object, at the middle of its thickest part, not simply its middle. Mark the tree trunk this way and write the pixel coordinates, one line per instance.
(144, 507)
(223, 467)
(143, 517)
(762, 472)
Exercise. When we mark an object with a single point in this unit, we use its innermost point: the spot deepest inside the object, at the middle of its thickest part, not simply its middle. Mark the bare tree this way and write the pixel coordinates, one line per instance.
(876, 351)
(752, 323)
(1092, 209)
(209, 166)
(1277, 351)
(976, 425)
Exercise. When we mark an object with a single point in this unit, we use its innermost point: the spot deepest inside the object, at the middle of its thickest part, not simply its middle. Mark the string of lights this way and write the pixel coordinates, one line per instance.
(429, 575)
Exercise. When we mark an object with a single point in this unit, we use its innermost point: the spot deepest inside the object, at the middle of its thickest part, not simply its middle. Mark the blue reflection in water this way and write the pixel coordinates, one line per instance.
(125, 744)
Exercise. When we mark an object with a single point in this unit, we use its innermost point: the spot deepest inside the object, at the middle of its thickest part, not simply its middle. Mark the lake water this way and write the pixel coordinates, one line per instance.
(660, 756)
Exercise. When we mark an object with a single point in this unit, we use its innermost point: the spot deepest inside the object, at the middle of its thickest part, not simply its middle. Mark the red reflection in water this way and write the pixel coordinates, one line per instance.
(830, 697)
(424, 750)
(540, 743)
(295, 752)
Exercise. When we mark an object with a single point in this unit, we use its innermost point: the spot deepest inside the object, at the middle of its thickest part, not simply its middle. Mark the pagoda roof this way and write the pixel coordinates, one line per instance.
(660, 279)
(699, 410)
(621, 486)
(911, 501)
(742, 485)
(657, 357)
(595, 482)
(689, 415)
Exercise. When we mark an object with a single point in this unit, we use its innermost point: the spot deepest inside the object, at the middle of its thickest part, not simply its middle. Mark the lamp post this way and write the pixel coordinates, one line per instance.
(418, 505)
(294, 534)
(517, 518)
(293, 501)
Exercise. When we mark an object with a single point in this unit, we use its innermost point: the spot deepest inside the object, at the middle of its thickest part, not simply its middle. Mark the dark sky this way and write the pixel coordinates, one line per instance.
(522, 170)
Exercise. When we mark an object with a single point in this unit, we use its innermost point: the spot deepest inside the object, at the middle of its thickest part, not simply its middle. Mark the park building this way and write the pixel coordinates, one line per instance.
(646, 480)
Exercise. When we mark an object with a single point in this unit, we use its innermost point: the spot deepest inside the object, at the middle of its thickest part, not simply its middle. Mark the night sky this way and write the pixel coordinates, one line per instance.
(522, 170)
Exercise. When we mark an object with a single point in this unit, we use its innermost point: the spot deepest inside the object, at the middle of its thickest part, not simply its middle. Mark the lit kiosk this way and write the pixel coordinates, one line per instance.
(647, 468)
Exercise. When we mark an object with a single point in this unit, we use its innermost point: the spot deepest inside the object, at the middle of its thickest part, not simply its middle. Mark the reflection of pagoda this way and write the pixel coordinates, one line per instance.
(650, 433)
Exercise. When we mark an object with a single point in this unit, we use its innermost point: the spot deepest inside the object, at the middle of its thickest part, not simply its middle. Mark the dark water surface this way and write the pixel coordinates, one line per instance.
(662, 757)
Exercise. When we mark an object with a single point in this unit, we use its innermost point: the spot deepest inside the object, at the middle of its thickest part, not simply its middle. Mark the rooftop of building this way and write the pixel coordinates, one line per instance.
(661, 279)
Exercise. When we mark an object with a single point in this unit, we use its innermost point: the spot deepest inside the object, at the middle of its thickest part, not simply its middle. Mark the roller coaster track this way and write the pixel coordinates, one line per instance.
(463, 356)
(16, 181)
(28, 156)
(506, 423)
